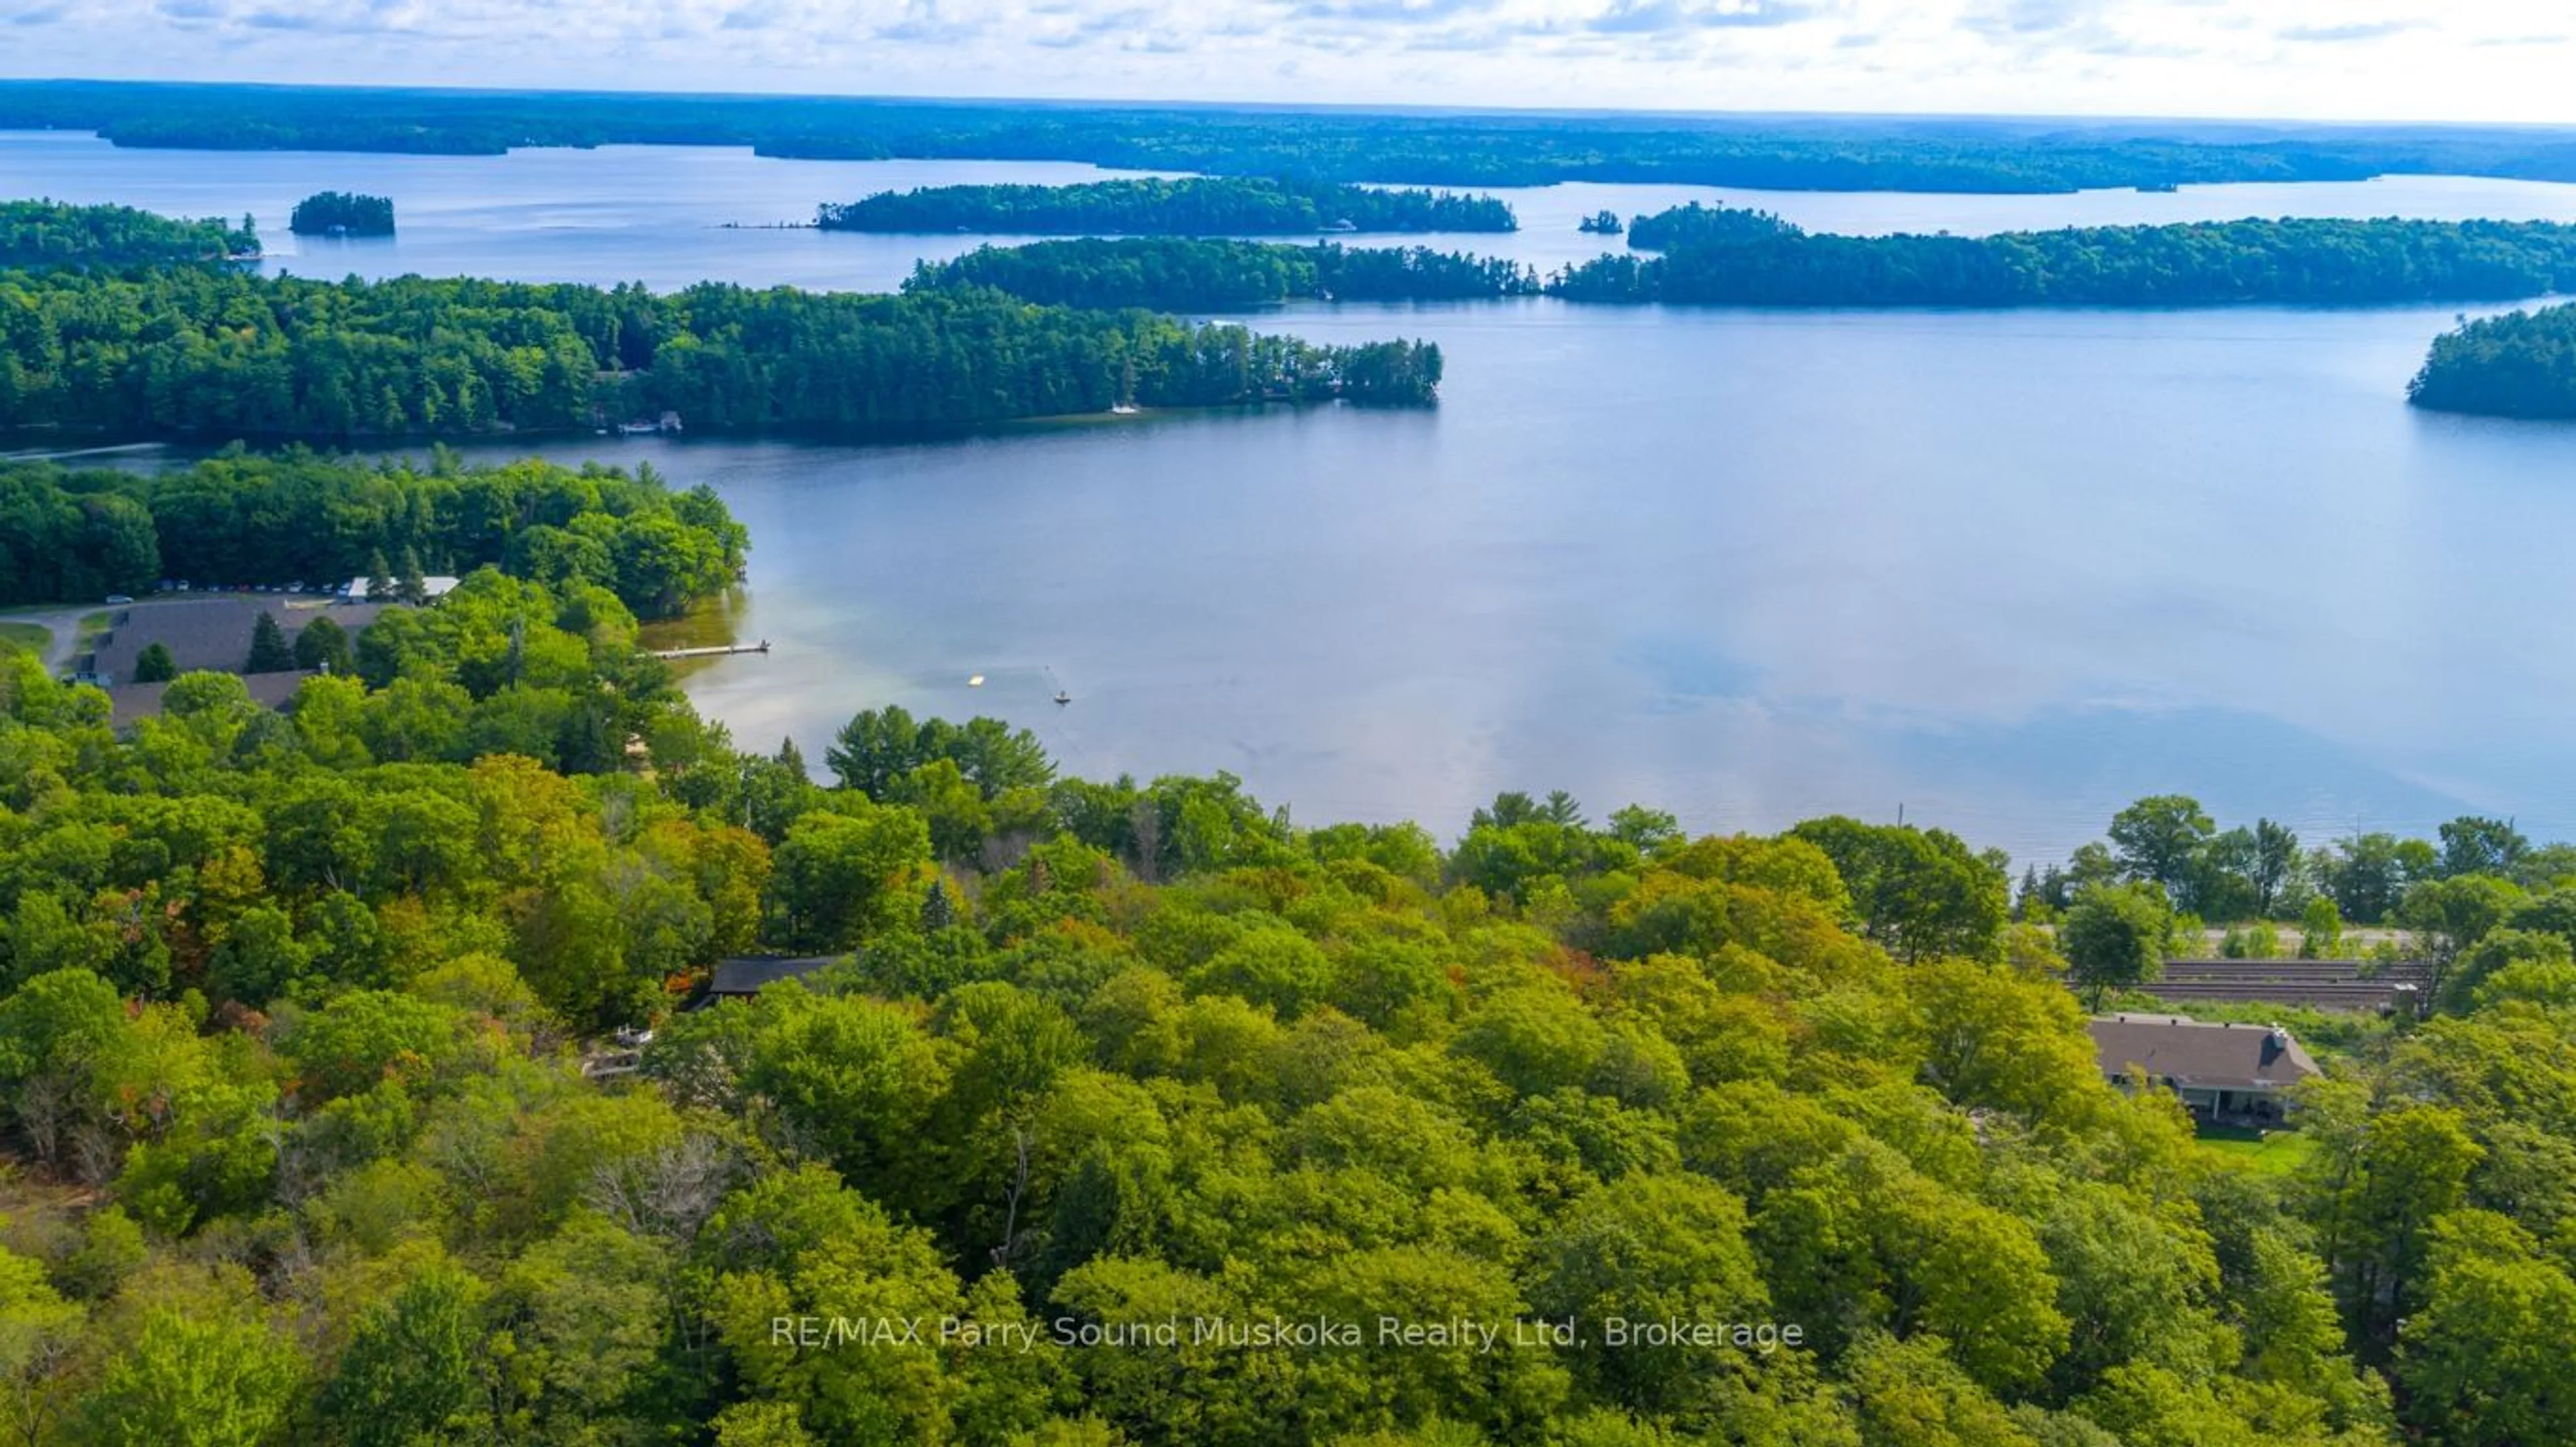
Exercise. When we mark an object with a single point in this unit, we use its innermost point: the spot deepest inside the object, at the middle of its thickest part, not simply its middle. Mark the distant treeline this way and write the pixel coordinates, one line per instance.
(1763, 262)
(1776, 153)
(2522, 364)
(53, 233)
(79, 533)
(214, 354)
(1194, 206)
(1203, 275)
(328, 212)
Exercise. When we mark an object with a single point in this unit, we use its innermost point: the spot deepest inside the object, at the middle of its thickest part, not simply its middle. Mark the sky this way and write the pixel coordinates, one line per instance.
(2465, 60)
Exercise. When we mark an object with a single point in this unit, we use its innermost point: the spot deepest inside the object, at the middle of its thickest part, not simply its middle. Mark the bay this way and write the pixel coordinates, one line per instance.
(2005, 571)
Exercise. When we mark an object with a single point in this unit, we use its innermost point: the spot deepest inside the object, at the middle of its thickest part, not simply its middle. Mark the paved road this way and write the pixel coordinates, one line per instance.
(63, 624)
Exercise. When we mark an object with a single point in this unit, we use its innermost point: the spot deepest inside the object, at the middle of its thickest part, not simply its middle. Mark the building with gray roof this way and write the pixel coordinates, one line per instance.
(2223, 1072)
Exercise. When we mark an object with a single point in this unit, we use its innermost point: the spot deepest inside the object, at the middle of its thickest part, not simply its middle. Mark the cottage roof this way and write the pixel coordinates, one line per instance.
(209, 632)
(747, 975)
(131, 701)
(2201, 1053)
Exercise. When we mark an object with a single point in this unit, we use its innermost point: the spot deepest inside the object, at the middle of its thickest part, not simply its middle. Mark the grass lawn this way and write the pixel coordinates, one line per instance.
(29, 637)
(2275, 1154)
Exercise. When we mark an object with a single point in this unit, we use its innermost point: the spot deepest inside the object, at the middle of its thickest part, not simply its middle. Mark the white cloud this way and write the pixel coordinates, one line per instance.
(2399, 59)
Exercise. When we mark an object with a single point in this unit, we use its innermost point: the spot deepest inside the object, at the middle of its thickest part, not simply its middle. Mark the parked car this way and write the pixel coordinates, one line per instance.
(117, 599)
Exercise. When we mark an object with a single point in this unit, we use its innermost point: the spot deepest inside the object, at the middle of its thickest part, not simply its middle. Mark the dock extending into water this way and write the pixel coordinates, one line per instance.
(719, 650)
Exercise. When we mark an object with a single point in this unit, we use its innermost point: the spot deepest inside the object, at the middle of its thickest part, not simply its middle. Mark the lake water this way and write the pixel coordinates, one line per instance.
(671, 215)
(2007, 571)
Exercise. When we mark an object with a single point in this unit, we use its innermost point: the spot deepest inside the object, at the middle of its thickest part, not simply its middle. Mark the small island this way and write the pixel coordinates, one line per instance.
(1192, 206)
(1601, 223)
(2521, 364)
(1698, 225)
(342, 213)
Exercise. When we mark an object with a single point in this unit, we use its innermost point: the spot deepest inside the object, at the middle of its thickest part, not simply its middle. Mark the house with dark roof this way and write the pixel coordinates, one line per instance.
(207, 633)
(744, 976)
(130, 702)
(2222, 1071)
(2351, 984)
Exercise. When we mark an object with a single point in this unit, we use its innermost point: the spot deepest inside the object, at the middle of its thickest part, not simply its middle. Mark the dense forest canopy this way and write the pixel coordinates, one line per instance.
(77, 534)
(341, 213)
(1413, 148)
(300, 1142)
(1192, 206)
(52, 233)
(206, 353)
(2521, 364)
(1194, 275)
(1754, 260)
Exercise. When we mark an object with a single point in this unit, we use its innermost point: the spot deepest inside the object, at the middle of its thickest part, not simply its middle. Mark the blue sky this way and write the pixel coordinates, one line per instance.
(2484, 60)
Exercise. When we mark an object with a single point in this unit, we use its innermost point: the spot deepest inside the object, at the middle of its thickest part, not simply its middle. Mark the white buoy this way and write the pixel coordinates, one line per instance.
(976, 682)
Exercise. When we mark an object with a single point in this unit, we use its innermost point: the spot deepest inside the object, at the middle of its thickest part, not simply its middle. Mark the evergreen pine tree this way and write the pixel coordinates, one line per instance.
(936, 912)
(155, 665)
(792, 759)
(269, 652)
(380, 579)
(412, 589)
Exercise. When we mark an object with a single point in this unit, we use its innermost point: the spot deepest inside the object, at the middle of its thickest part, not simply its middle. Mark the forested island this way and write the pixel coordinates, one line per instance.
(1196, 275)
(197, 352)
(1695, 224)
(1422, 148)
(1192, 206)
(1721, 256)
(2521, 364)
(53, 233)
(1718, 257)
(312, 1127)
(341, 213)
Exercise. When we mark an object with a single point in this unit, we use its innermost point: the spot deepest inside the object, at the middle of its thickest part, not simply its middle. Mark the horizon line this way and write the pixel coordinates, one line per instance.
(1353, 108)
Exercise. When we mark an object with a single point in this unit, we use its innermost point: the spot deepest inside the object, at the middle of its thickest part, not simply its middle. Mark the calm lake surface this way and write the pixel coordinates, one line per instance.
(2006, 570)
(671, 215)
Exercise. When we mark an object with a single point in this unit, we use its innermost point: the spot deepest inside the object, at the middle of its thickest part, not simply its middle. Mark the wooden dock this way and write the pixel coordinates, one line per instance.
(720, 650)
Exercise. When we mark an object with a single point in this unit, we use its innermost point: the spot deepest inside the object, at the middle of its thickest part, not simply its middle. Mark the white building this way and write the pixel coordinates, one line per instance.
(436, 586)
